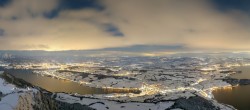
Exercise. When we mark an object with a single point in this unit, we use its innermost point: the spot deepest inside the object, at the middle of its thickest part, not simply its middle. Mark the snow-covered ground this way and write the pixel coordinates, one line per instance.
(101, 104)
(160, 99)
(10, 94)
(161, 84)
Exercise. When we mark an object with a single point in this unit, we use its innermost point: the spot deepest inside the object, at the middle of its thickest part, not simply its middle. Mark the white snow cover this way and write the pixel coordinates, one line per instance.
(101, 104)
(6, 88)
(11, 94)
(172, 83)
(9, 102)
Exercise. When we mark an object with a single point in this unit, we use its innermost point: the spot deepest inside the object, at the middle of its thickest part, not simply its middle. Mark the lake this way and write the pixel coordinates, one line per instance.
(57, 85)
(238, 96)
(245, 73)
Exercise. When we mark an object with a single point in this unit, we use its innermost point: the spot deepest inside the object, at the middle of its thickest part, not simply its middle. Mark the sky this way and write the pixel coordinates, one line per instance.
(144, 26)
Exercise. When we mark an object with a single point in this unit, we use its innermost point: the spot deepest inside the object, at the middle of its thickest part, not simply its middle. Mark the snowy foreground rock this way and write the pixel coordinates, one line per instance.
(20, 95)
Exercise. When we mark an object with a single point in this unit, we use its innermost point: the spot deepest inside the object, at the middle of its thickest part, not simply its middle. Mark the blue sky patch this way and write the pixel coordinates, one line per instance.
(228, 5)
(4, 2)
(80, 4)
(74, 5)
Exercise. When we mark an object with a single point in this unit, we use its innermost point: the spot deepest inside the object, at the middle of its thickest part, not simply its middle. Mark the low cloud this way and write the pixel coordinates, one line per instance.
(1, 32)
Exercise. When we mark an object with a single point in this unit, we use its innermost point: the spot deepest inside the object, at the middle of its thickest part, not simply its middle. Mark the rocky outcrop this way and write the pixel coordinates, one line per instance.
(25, 101)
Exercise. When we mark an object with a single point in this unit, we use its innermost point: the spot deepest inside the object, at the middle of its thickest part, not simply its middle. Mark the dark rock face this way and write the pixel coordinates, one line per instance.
(194, 103)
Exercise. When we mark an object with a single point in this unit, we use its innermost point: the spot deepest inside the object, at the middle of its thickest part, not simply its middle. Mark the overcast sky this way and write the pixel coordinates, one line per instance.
(126, 25)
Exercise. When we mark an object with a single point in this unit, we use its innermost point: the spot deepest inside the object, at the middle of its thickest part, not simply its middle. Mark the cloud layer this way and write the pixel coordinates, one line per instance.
(195, 25)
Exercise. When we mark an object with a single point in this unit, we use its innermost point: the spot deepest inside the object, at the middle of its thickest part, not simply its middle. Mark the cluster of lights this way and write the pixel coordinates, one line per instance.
(199, 81)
